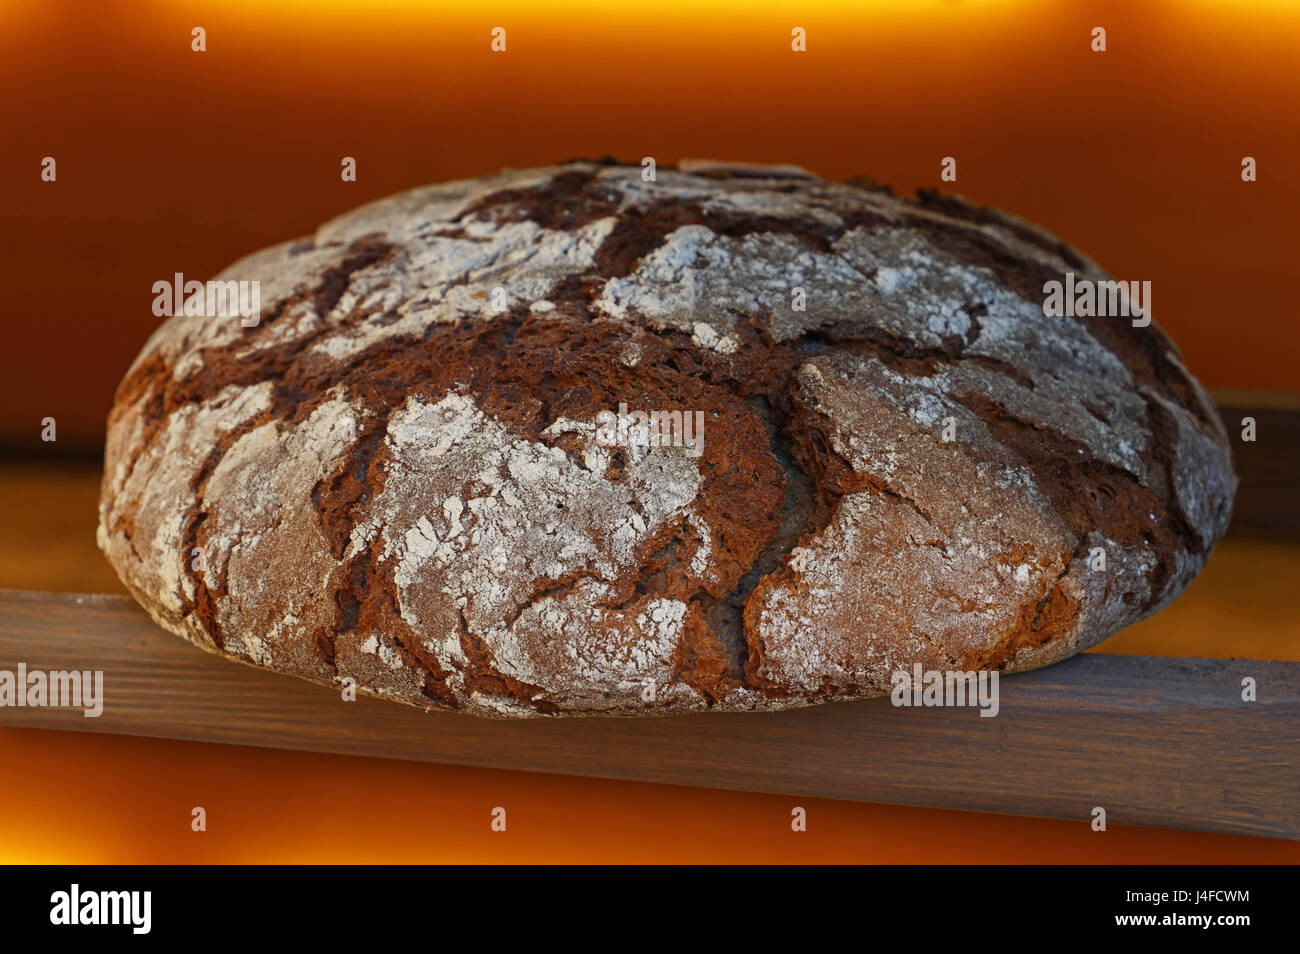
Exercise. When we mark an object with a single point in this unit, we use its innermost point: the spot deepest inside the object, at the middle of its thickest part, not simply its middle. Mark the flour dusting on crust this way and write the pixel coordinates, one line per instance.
(397, 478)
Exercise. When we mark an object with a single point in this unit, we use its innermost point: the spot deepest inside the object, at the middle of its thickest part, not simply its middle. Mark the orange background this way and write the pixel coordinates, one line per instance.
(171, 160)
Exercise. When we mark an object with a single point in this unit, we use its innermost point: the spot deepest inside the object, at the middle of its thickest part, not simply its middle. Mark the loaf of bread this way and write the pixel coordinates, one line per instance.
(575, 441)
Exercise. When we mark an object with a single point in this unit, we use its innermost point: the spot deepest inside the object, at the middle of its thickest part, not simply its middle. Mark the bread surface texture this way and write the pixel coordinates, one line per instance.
(862, 446)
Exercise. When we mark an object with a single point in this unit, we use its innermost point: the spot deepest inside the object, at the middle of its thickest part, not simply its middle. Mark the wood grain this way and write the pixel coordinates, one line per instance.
(1267, 467)
(1155, 741)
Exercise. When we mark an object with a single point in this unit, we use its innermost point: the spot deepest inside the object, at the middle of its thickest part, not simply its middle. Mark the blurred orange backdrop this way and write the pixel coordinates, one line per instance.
(171, 160)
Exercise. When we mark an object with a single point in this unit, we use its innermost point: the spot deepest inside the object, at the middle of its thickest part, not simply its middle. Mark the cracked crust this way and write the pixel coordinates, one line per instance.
(394, 477)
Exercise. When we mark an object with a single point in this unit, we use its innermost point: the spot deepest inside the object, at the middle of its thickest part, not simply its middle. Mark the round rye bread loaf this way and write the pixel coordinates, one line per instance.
(564, 441)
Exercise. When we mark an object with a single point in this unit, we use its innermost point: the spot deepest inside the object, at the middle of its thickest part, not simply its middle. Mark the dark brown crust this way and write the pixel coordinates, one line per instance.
(771, 474)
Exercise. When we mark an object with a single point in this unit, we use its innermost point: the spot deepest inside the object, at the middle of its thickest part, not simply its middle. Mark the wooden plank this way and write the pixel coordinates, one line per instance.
(1161, 742)
(1267, 501)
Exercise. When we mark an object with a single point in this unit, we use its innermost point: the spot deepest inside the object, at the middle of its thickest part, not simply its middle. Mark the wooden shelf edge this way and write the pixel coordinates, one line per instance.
(1165, 742)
